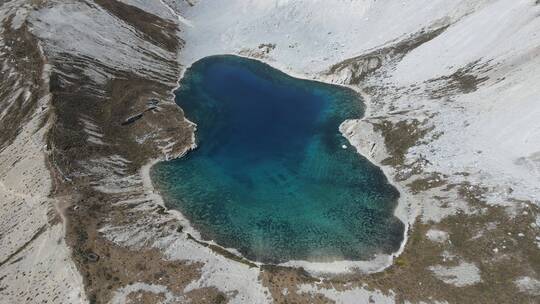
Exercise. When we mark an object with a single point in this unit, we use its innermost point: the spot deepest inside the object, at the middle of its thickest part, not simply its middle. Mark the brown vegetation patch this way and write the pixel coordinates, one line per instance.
(465, 80)
(159, 31)
(283, 284)
(74, 159)
(21, 53)
(116, 266)
(434, 180)
(399, 137)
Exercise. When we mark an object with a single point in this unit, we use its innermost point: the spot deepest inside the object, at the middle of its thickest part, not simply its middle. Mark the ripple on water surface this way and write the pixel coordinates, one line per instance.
(271, 177)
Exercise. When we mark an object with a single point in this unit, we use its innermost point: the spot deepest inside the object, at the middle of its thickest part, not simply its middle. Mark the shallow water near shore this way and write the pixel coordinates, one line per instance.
(272, 176)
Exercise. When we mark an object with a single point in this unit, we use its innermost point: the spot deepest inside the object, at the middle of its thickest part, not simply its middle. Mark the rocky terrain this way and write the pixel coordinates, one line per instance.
(86, 109)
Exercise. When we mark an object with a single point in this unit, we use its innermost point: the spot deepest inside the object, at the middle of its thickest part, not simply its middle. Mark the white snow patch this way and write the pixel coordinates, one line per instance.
(78, 28)
(121, 295)
(309, 35)
(438, 236)
(19, 18)
(464, 274)
(378, 263)
(528, 285)
(353, 295)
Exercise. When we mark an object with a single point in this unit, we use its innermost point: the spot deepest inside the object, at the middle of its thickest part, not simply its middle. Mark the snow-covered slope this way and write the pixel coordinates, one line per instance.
(311, 35)
(495, 131)
(492, 131)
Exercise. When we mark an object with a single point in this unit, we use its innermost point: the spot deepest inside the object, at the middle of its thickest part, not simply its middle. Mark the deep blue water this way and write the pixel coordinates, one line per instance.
(270, 177)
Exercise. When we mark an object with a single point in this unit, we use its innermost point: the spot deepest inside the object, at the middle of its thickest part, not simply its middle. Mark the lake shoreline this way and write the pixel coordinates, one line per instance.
(379, 263)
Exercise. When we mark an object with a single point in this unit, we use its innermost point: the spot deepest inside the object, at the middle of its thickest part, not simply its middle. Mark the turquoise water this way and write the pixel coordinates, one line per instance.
(270, 177)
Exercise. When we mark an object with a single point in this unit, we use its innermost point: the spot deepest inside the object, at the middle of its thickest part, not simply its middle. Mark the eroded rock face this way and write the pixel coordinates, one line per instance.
(65, 91)
(98, 84)
(32, 246)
